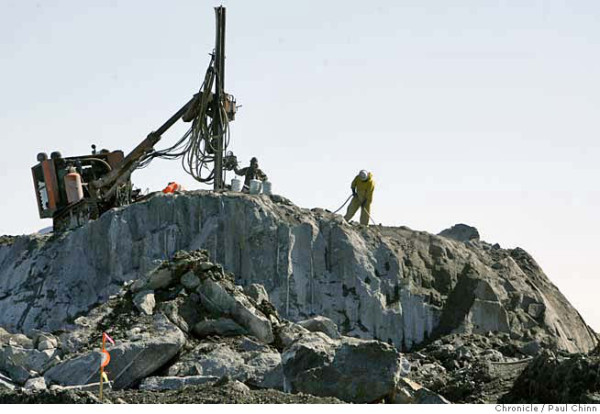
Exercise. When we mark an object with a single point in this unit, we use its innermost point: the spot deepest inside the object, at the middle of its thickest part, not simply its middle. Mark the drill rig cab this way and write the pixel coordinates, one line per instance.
(53, 195)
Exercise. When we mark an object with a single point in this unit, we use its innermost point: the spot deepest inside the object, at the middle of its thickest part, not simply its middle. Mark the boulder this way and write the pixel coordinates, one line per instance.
(321, 324)
(159, 278)
(288, 333)
(46, 342)
(257, 292)
(190, 281)
(216, 298)
(35, 384)
(145, 302)
(461, 232)
(353, 370)
(221, 326)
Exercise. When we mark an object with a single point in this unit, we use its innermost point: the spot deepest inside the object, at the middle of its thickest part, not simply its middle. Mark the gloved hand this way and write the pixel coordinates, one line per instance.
(353, 192)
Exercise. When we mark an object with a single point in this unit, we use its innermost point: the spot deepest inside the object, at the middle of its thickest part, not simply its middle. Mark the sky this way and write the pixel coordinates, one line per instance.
(478, 112)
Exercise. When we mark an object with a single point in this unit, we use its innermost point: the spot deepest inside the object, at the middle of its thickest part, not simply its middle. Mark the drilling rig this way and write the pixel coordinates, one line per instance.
(74, 190)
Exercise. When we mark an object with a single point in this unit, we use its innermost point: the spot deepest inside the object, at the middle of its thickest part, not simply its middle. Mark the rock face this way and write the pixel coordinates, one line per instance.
(393, 284)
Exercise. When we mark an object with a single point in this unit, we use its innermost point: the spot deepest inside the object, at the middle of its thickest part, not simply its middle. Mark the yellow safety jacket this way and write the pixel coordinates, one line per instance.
(364, 189)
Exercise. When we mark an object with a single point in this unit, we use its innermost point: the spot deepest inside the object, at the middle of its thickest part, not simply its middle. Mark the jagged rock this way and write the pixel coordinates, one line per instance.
(46, 342)
(130, 361)
(216, 298)
(221, 326)
(461, 232)
(250, 362)
(393, 284)
(321, 324)
(35, 384)
(21, 341)
(145, 301)
(426, 396)
(174, 383)
(190, 281)
(288, 333)
(350, 369)
(409, 392)
(257, 292)
(22, 363)
(160, 278)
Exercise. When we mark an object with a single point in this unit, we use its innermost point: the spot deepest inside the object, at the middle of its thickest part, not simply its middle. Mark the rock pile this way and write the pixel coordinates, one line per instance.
(187, 324)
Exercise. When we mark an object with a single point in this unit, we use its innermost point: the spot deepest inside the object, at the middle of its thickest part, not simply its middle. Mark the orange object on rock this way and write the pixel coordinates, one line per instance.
(172, 187)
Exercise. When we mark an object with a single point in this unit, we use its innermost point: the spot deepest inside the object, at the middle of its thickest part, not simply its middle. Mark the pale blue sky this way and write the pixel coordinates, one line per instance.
(483, 112)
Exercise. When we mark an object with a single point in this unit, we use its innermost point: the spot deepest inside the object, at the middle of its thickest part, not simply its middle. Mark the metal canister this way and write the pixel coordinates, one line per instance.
(73, 186)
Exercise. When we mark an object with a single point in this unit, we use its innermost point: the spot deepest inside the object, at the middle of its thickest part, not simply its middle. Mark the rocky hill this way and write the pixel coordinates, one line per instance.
(468, 314)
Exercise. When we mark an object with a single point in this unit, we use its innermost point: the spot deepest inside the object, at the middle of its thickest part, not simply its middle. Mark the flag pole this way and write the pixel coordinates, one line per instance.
(102, 366)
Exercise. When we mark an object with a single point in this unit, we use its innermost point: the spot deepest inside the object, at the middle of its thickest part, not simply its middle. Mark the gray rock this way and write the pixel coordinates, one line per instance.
(160, 278)
(350, 369)
(190, 281)
(21, 341)
(288, 333)
(257, 292)
(409, 392)
(145, 302)
(461, 232)
(22, 363)
(46, 342)
(253, 363)
(217, 299)
(426, 396)
(130, 361)
(321, 324)
(35, 384)
(221, 326)
(238, 386)
(531, 348)
(174, 383)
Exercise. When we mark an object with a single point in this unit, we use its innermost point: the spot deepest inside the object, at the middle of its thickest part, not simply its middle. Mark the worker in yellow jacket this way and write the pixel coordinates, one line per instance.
(362, 190)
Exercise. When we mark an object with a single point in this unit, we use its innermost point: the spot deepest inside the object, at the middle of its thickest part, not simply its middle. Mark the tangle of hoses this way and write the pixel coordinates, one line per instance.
(195, 147)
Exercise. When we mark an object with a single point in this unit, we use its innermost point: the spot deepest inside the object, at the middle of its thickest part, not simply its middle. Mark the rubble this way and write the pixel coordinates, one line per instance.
(558, 378)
